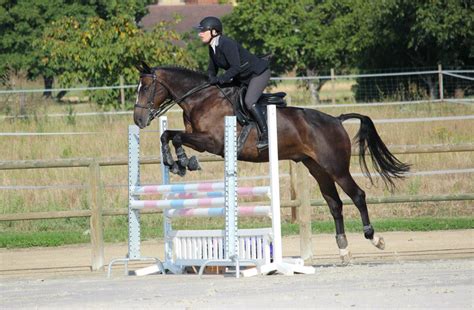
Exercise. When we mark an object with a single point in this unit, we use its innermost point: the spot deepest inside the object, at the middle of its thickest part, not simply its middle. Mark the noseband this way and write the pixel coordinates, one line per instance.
(153, 113)
(170, 102)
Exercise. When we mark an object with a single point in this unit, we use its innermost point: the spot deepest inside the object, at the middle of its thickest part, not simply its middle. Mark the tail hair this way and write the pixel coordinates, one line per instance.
(383, 161)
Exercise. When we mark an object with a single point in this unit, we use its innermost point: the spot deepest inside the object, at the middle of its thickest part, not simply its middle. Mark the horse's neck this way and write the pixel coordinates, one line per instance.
(208, 103)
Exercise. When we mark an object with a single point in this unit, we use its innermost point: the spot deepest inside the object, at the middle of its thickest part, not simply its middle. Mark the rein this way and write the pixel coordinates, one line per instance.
(169, 103)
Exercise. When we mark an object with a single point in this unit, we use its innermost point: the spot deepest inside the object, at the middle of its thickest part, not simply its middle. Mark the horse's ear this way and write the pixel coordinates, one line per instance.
(146, 67)
(139, 68)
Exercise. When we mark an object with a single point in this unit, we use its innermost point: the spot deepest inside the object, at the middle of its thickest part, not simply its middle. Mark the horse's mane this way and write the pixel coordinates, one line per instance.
(196, 75)
(191, 76)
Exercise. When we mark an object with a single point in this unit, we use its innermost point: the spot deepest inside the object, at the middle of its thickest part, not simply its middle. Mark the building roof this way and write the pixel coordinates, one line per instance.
(190, 14)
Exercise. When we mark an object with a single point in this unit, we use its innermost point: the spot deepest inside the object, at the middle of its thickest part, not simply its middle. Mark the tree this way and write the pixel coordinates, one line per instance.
(23, 21)
(313, 36)
(407, 34)
(292, 31)
(197, 50)
(97, 52)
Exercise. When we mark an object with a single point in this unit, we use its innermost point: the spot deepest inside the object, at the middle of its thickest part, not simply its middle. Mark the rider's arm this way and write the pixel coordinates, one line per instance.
(231, 53)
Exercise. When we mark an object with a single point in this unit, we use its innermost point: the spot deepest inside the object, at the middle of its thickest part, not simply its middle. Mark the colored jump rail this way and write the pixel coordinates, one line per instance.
(177, 203)
(248, 211)
(198, 187)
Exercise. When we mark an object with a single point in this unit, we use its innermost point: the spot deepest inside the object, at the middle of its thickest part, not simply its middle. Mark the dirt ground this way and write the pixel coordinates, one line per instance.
(417, 269)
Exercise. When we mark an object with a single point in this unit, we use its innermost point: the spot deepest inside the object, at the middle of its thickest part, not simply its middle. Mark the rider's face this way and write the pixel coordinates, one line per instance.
(205, 36)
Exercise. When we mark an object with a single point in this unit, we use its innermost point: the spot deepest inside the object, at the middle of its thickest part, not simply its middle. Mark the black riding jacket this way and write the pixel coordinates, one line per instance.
(239, 63)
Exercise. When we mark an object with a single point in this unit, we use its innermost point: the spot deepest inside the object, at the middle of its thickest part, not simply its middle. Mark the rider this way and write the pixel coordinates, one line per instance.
(240, 66)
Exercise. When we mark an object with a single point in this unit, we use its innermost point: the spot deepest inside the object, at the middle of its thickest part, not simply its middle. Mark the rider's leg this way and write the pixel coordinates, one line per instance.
(254, 91)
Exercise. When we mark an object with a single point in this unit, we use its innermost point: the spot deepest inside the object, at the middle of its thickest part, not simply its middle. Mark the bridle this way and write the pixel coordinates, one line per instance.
(170, 102)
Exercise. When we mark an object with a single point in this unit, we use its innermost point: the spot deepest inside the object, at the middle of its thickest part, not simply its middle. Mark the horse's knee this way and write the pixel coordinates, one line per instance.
(165, 137)
(177, 141)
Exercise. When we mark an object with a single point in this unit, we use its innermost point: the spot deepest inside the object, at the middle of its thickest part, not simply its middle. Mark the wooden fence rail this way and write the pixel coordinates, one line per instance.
(86, 162)
(300, 202)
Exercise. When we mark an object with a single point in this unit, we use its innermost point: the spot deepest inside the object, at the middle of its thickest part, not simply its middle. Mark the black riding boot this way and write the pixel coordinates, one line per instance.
(262, 144)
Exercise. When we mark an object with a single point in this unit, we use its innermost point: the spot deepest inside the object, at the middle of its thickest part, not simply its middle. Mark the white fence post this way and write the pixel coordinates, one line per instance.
(440, 82)
(122, 93)
(333, 87)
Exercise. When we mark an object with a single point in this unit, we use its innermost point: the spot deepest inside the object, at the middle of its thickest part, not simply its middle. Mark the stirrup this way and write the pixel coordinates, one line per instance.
(262, 144)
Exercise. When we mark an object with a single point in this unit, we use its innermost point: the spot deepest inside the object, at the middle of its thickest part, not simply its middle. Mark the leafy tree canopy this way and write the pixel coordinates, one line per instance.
(313, 36)
(96, 52)
(397, 33)
(23, 21)
(291, 31)
(317, 35)
(410, 34)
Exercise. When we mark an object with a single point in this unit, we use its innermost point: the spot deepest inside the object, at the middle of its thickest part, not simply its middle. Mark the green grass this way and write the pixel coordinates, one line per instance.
(42, 238)
(54, 238)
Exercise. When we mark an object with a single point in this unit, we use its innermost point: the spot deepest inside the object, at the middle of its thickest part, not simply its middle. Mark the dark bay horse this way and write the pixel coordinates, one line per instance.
(316, 139)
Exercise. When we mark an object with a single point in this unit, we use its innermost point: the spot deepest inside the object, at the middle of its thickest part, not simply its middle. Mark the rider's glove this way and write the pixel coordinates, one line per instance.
(213, 80)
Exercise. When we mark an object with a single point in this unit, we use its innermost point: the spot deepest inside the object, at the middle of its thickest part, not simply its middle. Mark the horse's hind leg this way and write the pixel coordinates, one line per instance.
(330, 194)
(350, 187)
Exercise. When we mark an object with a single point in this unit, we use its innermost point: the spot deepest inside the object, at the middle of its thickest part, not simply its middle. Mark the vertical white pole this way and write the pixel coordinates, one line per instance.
(165, 179)
(274, 182)
(230, 180)
(133, 181)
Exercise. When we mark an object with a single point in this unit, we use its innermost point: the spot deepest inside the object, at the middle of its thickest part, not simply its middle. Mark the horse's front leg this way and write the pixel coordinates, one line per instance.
(201, 142)
(167, 157)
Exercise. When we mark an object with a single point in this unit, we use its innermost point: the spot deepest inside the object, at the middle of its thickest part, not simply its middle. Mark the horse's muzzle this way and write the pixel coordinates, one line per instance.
(140, 120)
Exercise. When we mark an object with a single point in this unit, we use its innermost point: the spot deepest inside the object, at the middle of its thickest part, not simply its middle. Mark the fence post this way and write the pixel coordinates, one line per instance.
(333, 87)
(293, 190)
(22, 111)
(96, 223)
(313, 90)
(304, 212)
(440, 82)
(122, 93)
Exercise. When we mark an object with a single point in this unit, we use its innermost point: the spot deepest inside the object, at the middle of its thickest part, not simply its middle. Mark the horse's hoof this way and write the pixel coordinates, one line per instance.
(177, 169)
(346, 256)
(183, 161)
(168, 160)
(174, 168)
(181, 170)
(378, 242)
(193, 164)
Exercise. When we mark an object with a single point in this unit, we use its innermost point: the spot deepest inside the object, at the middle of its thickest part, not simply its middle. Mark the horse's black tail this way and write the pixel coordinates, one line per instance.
(384, 162)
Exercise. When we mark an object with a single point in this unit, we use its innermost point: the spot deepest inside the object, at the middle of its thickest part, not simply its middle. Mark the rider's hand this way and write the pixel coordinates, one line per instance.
(213, 80)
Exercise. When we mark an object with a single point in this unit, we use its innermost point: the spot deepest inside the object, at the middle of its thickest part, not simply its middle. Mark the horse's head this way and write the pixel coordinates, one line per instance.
(152, 97)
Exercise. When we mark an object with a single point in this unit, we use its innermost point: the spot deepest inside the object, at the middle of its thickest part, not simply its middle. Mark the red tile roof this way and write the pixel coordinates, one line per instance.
(190, 14)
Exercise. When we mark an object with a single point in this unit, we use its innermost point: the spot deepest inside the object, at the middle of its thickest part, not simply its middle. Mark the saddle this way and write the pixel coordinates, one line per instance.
(244, 117)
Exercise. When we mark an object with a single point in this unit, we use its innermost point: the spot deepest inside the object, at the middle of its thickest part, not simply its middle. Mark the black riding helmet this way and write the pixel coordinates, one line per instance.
(210, 23)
